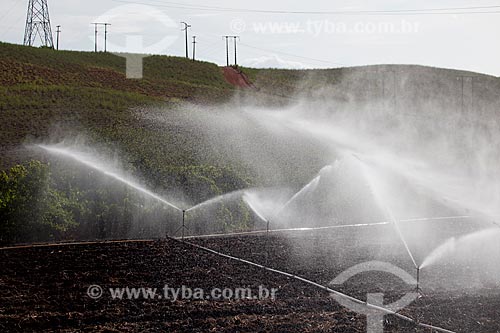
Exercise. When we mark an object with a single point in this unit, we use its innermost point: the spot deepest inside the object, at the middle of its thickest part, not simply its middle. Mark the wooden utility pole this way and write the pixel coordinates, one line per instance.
(194, 48)
(185, 29)
(235, 38)
(96, 24)
(235, 50)
(58, 31)
(95, 36)
(106, 36)
(227, 49)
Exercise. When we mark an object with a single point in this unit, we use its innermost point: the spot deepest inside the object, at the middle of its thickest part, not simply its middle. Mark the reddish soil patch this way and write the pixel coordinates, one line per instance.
(236, 77)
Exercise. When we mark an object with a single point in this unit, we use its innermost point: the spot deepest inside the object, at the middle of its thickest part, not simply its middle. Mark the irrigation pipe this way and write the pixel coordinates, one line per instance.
(243, 233)
(314, 284)
(340, 226)
(62, 244)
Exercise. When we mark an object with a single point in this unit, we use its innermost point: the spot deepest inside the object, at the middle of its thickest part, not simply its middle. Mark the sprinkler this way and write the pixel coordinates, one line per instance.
(267, 242)
(183, 222)
(418, 280)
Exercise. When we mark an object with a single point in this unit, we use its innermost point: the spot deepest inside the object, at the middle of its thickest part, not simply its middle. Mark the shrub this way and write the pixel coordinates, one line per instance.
(30, 209)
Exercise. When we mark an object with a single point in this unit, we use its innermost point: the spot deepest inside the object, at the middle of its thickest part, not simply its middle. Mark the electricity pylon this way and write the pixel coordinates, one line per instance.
(38, 24)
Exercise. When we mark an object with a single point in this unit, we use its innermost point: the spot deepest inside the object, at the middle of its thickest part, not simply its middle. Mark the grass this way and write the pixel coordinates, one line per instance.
(73, 64)
(48, 95)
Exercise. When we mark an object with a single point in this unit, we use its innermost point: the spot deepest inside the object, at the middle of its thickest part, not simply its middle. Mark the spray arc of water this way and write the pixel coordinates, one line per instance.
(444, 249)
(89, 162)
(371, 179)
(215, 200)
(309, 187)
(483, 243)
(254, 208)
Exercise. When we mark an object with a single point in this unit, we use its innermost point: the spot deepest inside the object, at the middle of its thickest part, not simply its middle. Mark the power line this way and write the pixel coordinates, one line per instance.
(9, 27)
(208, 49)
(293, 55)
(8, 11)
(423, 11)
(214, 37)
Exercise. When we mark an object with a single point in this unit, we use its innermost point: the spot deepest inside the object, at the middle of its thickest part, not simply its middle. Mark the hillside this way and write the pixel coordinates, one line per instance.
(183, 129)
(40, 88)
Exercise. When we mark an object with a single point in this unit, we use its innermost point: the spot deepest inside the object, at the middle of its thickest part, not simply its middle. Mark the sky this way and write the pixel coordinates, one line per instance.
(284, 34)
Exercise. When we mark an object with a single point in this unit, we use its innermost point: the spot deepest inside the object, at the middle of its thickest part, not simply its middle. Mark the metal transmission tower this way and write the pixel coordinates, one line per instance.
(38, 23)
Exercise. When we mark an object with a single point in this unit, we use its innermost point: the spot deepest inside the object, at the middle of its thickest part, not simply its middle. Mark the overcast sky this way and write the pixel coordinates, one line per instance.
(306, 40)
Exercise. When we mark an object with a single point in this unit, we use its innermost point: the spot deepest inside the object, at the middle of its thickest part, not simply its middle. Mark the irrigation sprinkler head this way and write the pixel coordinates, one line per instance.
(419, 290)
(183, 223)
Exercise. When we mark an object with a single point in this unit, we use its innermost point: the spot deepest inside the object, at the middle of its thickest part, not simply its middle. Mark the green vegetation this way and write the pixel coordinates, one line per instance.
(46, 95)
(30, 208)
(78, 92)
(37, 205)
(22, 64)
(290, 82)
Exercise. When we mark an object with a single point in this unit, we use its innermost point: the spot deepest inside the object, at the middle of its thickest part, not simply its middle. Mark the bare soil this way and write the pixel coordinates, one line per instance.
(45, 288)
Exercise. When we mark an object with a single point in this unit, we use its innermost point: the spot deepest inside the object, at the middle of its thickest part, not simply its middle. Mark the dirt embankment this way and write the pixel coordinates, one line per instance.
(237, 78)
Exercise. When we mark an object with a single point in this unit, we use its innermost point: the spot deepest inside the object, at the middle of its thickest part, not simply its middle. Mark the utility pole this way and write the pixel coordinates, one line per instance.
(235, 51)
(227, 49)
(186, 27)
(38, 23)
(194, 48)
(58, 31)
(235, 38)
(105, 35)
(95, 36)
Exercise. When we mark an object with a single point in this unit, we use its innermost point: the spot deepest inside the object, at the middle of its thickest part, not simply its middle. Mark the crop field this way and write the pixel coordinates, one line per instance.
(45, 288)
(350, 169)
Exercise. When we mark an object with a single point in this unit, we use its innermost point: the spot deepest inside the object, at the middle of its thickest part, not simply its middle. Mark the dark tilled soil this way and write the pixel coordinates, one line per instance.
(45, 289)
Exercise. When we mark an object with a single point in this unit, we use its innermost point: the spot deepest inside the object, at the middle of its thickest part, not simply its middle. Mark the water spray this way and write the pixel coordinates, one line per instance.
(92, 163)
(371, 179)
(311, 186)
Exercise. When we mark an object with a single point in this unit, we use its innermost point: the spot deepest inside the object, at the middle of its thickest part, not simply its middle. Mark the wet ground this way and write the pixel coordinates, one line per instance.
(45, 288)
